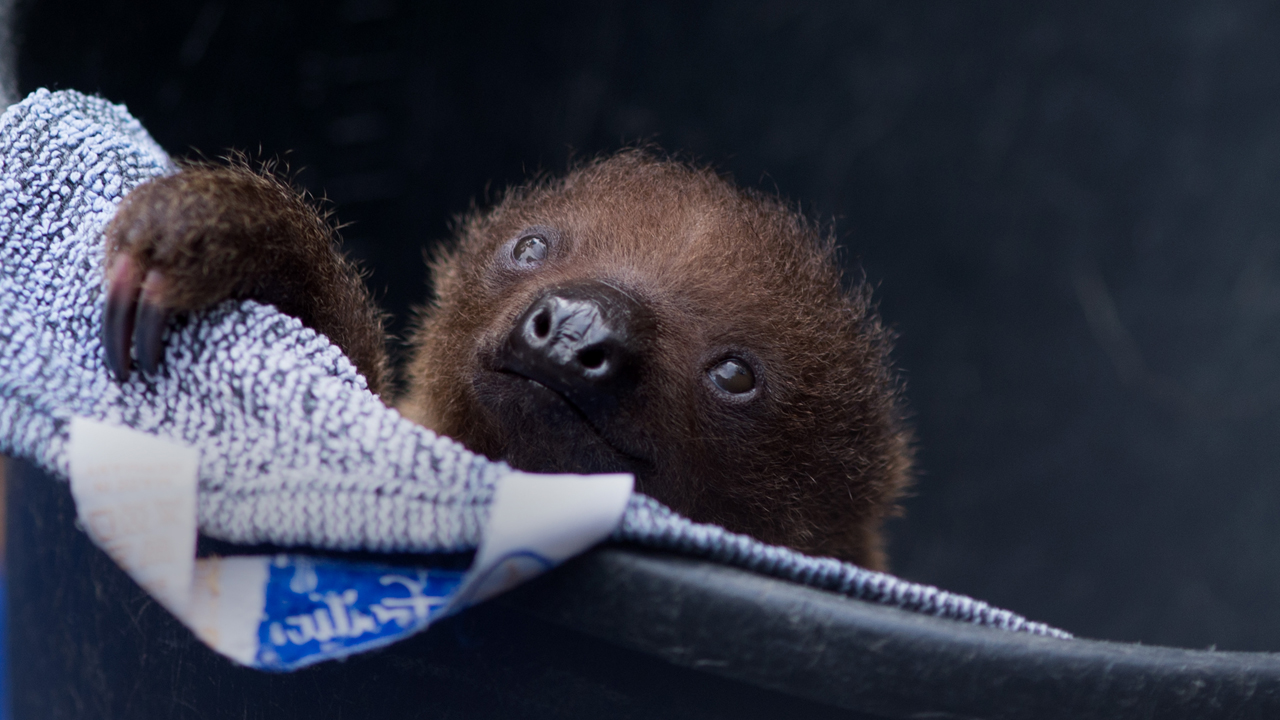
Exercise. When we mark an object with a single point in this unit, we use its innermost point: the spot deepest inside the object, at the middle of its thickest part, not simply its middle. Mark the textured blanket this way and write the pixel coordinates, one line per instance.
(295, 450)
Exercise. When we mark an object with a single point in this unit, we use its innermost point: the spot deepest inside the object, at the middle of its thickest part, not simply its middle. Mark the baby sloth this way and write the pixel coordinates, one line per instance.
(637, 315)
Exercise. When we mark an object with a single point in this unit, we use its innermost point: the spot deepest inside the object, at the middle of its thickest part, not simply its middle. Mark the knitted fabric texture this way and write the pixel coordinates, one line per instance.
(295, 450)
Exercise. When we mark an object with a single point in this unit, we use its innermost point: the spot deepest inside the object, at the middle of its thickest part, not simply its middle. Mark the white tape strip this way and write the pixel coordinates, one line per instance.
(136, 498)
(537, 522)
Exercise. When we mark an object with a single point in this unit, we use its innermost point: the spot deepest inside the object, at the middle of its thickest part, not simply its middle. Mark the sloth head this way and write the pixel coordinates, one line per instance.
(642, 315)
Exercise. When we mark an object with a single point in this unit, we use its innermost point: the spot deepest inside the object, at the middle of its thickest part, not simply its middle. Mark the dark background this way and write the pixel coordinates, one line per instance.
(1071, 211)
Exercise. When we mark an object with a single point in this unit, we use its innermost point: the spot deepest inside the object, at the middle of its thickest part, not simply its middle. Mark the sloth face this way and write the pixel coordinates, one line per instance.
(643, 316)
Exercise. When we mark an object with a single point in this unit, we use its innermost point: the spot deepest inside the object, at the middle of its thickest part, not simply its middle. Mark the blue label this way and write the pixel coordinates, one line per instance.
(318, 609)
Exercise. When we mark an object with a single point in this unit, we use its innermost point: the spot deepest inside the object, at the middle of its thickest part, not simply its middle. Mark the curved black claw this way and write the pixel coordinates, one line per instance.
(149, 324)
(148, 333)
(123, 288)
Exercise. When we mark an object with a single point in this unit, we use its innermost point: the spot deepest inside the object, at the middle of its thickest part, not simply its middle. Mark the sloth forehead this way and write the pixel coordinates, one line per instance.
(704, 234)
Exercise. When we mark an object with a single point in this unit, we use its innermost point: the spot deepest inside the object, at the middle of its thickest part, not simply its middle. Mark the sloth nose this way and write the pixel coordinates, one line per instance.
(581, 340)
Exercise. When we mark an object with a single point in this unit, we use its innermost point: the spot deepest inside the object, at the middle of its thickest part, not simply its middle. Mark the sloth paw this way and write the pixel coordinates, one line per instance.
(208, 233)
(181, 243)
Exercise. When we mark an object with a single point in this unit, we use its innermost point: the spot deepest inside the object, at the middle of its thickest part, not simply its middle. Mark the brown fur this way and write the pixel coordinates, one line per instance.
(813, 459)
(226, 231)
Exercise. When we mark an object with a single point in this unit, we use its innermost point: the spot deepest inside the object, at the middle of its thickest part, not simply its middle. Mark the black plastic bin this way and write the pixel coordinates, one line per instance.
(618, 633)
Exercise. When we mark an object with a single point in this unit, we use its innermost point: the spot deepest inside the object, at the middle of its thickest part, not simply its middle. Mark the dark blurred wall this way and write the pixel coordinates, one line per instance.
(1071, 211)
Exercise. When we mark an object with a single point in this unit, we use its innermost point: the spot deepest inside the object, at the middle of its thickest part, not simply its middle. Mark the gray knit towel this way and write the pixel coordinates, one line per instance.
(295, 450)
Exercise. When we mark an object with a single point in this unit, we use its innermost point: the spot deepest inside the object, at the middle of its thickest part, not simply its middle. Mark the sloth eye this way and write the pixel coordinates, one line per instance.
(529, 249)
(733, 376)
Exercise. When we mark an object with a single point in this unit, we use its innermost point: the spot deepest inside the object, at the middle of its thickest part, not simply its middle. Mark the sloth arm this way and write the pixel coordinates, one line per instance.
(209, 233)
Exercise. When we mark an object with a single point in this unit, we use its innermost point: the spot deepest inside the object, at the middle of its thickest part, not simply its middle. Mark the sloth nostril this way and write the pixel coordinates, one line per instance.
(591, 358)
(542, 323)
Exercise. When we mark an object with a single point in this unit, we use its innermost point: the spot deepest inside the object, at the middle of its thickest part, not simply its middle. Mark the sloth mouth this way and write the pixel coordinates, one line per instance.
(542, 393)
